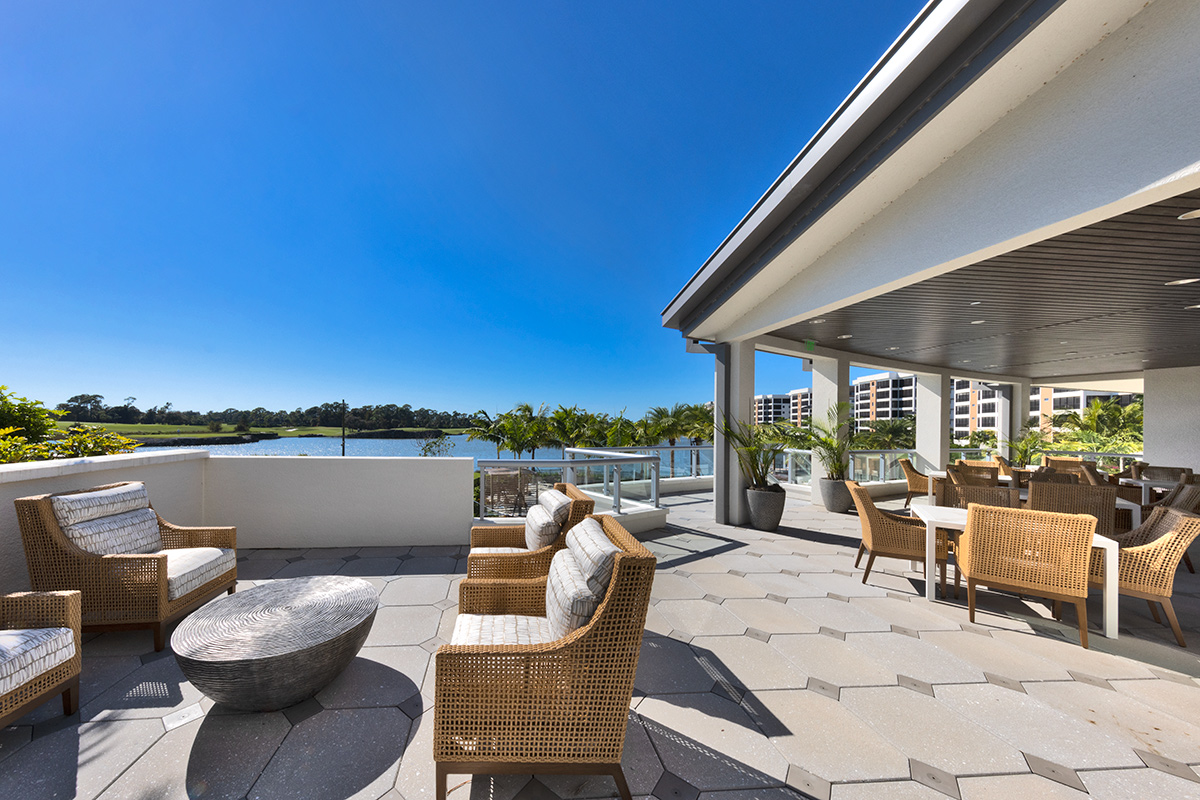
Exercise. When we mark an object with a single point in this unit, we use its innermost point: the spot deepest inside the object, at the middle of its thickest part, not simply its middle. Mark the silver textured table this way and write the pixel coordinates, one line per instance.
(274, 645)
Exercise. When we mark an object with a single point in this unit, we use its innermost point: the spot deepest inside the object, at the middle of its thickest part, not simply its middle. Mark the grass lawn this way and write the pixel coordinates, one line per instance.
(143, 431)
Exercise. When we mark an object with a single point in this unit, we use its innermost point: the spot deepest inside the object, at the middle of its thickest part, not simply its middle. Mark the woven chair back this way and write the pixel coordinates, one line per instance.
(976, 462)
(1051, 476)
(1035, 550)
(916, 481)
(1003, 464)
(1150, 473)
(868, 514)
(1091, 473)
(1062, 463)
(965, 475)
(956, 496)
(1098, 501)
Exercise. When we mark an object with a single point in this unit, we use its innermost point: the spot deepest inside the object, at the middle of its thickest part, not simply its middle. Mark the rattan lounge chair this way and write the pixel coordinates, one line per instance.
(1157, 473)
(552, 706)
(42, 652)
(955, 496)
(1062, 463)
(918, 483)
(891, 535)
(1065, 498)
(133, 568)
(966, 475)
(1148, 559)
(1030, 552)
(501, 551)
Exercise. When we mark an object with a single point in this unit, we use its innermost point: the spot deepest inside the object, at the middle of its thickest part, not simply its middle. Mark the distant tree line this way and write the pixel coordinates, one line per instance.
(91, 408)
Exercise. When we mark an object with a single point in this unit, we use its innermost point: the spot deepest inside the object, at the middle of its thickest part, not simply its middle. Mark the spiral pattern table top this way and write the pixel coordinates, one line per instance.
(275, 619)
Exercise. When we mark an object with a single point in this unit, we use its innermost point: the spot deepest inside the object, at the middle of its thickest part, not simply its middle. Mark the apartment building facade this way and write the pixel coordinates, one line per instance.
(883, 395)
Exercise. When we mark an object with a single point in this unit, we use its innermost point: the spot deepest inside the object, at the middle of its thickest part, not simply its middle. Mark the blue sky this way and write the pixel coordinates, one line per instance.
(453, 205)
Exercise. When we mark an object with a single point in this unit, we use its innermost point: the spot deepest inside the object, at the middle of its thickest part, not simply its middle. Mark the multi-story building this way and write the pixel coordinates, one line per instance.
(801, 405)
(883, 395)
(772, 407)
(980, 406)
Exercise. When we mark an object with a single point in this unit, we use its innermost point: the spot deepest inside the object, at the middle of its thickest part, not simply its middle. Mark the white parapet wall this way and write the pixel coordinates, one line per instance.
(274, 501)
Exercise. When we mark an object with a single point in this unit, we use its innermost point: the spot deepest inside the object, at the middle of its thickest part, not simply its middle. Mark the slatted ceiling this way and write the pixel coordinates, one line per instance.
(1099, 288)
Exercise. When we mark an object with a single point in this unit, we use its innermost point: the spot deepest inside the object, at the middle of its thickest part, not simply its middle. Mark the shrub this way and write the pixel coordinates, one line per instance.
(30, 417)
(215, 426)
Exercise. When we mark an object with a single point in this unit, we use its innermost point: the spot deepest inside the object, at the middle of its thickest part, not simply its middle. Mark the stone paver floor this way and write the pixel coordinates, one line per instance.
(768, 670)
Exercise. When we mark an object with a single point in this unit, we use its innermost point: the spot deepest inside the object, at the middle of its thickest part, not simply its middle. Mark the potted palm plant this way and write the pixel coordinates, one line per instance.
(830, 444)
(756, 452)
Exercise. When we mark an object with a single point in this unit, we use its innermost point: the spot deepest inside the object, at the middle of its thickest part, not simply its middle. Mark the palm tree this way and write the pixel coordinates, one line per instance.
(621, 431)
(699, 427)
(1103, 425)
(1028, 443)
(669, 424)
(486, 429)
(888, 434)
(567, 427)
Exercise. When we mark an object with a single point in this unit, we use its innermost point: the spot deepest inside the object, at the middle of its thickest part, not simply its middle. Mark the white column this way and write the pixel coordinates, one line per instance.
(733, 400)
(831, 385)
(1012, 422)
(1172, 417)
(935, 400)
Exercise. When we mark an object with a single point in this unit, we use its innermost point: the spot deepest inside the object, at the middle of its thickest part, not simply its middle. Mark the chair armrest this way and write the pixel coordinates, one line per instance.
(176, 536)
(61, 609)
(498, 536)
(510, 566)
(527, 597)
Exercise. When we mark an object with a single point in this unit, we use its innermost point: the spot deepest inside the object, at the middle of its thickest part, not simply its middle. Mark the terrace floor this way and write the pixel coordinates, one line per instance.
(768, 671)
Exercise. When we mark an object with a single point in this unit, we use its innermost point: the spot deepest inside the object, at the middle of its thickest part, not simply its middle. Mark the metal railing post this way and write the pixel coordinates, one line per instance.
(482, 494)
(882, 467)
(791, 457)
(654, 465)
(616, 492)
(569, 472)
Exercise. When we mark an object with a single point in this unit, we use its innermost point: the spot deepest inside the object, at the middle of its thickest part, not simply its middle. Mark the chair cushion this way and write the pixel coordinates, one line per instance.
(557, 503)
(488, 629)
(495, 551)
(595, 554)
(121, 534)
(71, 509)
(540, 529)
(189, 568)
(26, 653)
(569, 601)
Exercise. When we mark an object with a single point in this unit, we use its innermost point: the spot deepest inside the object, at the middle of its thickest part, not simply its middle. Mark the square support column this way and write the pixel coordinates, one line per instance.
(1012, 422)
(831, 385)
(935, 400)
(733, 400)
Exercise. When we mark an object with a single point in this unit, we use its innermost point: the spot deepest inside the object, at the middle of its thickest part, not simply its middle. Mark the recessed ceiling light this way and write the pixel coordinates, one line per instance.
(1064, 342)
(1191, 214)
(976, 302)
(978, 321)
(965, 361)
(893, 348)
(846, 336)
(991, 366)
(1145, 360)
(815, 321)
(1190, 308)
(1072, 352)
(1181, 282)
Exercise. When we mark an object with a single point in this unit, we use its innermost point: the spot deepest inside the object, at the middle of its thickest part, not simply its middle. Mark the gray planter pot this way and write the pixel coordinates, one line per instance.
(766, 507)
(835, 496)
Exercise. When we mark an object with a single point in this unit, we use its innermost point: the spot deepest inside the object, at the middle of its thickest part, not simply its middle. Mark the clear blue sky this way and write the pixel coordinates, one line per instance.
(454, 205)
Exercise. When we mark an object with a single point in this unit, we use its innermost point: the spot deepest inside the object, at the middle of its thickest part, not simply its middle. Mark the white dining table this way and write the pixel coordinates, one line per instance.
(1135, 509)
(936, 517)
(1147, 485)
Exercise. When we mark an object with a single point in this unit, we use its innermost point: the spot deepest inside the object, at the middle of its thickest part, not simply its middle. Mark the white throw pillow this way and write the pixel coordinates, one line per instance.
(570, 604)
(594, 552)
(71, 509)
(557, 503)
(540, 529)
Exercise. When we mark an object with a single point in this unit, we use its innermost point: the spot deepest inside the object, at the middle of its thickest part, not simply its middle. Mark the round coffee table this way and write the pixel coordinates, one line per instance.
(274, 645)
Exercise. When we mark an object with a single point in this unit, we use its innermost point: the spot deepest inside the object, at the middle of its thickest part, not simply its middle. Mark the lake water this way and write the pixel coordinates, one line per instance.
(462, 447)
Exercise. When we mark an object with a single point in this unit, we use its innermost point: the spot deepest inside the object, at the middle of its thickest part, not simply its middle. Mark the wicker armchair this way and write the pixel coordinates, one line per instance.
(1030, 552)
(964, 474)
(918, 483)
(1006, 469)
(128, 590)
(519, 562)
(1155, 473)
(1064, 498)
(55, 616)
(976, 462)
(1148, 559)
(555, 707)
(1050, 475)
(891, 535)
(1062, 463)
(956, 496)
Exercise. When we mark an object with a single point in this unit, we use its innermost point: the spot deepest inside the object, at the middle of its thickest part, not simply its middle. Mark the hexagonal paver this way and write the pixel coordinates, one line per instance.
(1006, 787)
(697, 617)
(771, 617)
(749, 663)
(905, 655)
(785, 585)
(1126, 783)
(675, 587)
(832, 661)
(839, 616)
(416, 590)
(399, 625)
(667, 666)
(727, 586)
(996, 656)
(378, 676)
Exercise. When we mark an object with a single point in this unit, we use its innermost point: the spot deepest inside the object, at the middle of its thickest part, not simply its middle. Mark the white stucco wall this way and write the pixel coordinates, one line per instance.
(1172, 417)
(273, 501)
(340, 502)
(175, 480)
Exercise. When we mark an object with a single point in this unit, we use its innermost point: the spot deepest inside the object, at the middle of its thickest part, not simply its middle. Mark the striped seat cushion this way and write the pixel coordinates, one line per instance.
(489, 629)
(595, 554)
(540, 528)
(26, 653)
(495, 551)
(557, 503)
(189, 568)
(120, 534)
(570, 604)
(71, 509)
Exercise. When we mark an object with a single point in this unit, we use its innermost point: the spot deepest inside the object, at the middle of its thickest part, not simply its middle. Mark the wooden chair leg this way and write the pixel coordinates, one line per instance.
(232, 589)
(942, 566)
(862, 548)
(1170, 612)
(1057, 610)
(957, 577)
(622, 787)
(1081, 612)
(439, 782)
(1188, 561)
(908, 498)
(70, 697)
(160, 636)
(1154, 611)
(867, 571)
(971, 599)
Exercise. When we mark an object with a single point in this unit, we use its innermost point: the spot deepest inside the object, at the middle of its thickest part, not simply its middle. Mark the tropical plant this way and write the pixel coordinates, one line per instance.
(887, 434)
(78, 441)
(670, 424)
(756, 447)
(33, 419)
(830, 441)
(1025, 446)
(1102, 426)
(699, 427)
(622, 432)
(437, 447)
(486, 429)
